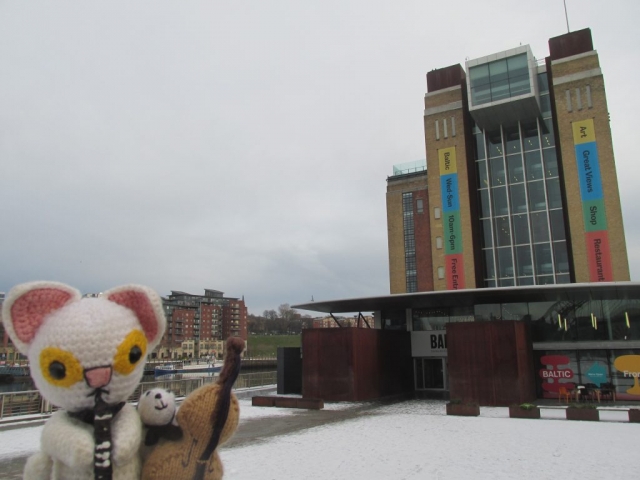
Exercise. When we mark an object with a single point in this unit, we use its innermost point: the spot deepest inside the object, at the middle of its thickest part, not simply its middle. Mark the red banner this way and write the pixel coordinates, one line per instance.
(454, 271)
(599, 256)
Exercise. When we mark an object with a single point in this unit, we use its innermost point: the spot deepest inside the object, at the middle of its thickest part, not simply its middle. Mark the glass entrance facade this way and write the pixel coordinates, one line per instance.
(521, 210)
(430, 373)
(584, 339)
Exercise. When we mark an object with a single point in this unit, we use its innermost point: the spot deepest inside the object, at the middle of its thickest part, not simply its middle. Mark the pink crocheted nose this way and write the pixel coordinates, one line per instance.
(98, 377)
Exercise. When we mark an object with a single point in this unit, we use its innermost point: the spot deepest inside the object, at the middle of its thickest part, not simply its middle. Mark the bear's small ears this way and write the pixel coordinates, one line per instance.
(26, 306)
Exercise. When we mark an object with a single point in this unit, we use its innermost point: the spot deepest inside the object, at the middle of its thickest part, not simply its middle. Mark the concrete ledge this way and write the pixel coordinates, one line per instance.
(287, 402)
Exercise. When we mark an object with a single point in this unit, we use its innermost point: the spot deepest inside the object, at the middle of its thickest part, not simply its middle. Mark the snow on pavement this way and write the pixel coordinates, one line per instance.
(414, 440)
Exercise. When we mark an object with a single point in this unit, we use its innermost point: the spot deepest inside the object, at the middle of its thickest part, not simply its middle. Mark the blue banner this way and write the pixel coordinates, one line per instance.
(449, 189)
(589, 171)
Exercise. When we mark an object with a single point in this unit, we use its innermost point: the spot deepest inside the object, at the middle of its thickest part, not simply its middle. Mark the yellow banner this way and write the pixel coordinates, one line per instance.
(583, 132)
(447, 158)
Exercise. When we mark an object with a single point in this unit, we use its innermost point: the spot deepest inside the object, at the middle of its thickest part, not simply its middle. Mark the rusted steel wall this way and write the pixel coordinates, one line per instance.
(490, 362)
(354, 364)
(445, 77)
(570, 44)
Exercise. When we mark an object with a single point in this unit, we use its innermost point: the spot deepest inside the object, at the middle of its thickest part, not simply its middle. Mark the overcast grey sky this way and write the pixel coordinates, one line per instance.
(244, 146)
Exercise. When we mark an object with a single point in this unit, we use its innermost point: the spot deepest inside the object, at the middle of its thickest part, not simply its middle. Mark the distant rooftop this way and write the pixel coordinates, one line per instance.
(409, 167)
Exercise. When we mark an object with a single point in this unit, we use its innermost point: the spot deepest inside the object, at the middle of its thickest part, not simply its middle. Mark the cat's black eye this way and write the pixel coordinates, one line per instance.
(134, 354)
(57, 370)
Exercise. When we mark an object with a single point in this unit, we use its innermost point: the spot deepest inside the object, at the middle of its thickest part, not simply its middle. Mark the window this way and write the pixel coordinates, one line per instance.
(438, 242)
(550, 162)
(488, 261)
(518, 198)
(540, 227)
(505, 262)
(524, 263)
(557, 225)
(419, 205)
(497, 172)
(479, 145)
(553, 193)
(545, 105)
(500, 206)
(512, 140)
(487, 238)
(440, 273)
(520, 229)
(436, 212)
(503, 233)
(500, 79)
(409, 243)
(483, 180)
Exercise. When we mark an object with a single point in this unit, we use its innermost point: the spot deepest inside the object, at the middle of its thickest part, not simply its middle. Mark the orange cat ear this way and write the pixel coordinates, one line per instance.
(147, 306)
(27, 305)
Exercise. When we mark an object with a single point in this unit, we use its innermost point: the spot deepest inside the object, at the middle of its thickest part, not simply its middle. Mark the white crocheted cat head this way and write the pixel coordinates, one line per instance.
(157, 407)
(79, 348)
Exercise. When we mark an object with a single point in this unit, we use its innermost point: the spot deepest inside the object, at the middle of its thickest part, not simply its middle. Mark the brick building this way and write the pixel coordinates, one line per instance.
(198, 325)
(519, 187)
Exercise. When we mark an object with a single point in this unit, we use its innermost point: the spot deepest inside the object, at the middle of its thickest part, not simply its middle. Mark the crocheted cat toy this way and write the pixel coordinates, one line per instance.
(208, 417)
(157, 408)
(86, 356)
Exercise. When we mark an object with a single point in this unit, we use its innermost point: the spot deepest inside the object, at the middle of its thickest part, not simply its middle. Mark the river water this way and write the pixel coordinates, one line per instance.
(22, 384)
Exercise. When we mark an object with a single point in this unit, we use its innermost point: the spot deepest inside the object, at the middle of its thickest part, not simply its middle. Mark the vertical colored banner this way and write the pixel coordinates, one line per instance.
(592, 196)
(453, 258)
(455, 271)
(597, 246)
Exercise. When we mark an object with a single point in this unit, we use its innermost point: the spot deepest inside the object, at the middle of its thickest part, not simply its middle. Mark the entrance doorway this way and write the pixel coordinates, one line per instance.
(430, 374)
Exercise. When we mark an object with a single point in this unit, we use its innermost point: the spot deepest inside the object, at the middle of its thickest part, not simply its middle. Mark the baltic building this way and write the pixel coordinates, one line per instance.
(520, 185)
(508, 268)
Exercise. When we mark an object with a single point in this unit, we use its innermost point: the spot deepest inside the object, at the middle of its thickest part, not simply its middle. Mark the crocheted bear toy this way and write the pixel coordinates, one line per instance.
(157, 408)
(208, 417)
(86, 356)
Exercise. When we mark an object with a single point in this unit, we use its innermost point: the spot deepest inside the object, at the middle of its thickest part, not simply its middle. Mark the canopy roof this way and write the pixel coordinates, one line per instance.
(459, 298)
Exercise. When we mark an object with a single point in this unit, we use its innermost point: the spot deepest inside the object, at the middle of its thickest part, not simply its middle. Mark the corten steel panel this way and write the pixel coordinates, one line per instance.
(570, 44)
(366, 363)
(354, 364)
(490, 362)
(327, 364)
(445, 77)
(526, 372)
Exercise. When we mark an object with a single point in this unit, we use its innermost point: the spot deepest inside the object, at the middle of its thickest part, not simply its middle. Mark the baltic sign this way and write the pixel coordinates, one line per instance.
(429, 343)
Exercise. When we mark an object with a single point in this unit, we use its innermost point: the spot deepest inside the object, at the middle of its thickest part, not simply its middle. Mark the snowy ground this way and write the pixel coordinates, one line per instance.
(415, 440)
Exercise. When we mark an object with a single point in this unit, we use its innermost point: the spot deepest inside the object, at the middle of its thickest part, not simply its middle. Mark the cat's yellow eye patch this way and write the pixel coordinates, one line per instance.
(60, 368)
(130, 352)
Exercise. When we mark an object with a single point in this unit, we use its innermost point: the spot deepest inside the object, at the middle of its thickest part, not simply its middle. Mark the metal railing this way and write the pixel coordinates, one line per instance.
(19, 404)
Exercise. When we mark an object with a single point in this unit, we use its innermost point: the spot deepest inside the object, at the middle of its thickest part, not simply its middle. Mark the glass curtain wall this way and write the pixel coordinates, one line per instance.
(577, 319)
(521, 214)
(500, 79)
(409, 243)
